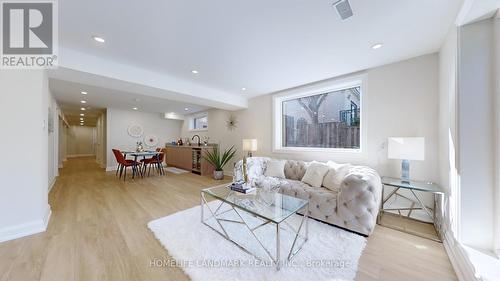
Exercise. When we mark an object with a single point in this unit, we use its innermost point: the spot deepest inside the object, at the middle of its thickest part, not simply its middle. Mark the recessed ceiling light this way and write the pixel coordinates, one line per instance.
(135, 108)
(81, 114)
(194, 71)
(83, 101)
(186, 109)
(243, 89)
(81, 124)
(98, 39)
(377, 46)
(83, 93)
(83, 108)
(81, 119)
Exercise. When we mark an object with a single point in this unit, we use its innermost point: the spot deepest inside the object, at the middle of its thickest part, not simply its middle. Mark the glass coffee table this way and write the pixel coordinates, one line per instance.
(266, 206)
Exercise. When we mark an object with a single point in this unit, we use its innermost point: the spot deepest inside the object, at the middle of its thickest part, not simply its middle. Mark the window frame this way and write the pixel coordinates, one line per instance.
(321, 88)
(192, 120)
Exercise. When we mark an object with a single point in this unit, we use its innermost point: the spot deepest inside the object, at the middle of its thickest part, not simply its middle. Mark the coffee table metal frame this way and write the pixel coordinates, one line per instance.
(217, 213)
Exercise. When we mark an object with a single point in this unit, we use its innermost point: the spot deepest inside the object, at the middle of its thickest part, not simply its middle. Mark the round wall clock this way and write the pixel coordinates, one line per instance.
(135, 130)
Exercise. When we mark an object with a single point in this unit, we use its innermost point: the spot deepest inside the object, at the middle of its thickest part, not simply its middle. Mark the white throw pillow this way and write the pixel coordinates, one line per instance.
(315, 173)
(276, 168)
(335, 175)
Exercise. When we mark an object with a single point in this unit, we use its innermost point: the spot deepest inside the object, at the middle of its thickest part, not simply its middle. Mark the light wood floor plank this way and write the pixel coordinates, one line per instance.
(98, 231)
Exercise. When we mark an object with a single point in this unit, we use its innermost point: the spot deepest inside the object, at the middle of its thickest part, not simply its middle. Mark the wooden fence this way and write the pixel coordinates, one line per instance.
(325, 135)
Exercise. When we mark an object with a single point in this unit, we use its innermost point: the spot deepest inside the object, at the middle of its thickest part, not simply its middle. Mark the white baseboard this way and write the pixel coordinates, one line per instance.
(463, 267)
(25, 229)
(111, 168)
(51, 184)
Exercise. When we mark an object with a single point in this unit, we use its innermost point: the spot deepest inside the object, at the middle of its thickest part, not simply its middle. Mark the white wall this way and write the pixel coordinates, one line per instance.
(448, 142)
(118, 122)
(80, 141)
(476, 134)
(399, 100)
(24, 205)
(53, 143)
(101, 141)
(63, 132)
(496, 73)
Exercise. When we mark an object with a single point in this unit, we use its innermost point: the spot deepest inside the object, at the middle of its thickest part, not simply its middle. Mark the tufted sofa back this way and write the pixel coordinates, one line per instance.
(295, 170)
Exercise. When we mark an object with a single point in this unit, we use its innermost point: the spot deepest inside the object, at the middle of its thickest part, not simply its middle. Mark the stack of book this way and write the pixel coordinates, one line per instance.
(240, 186)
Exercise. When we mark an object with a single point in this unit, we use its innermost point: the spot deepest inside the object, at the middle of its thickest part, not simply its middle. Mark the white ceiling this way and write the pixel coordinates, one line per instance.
(262, 45)
(68, 94)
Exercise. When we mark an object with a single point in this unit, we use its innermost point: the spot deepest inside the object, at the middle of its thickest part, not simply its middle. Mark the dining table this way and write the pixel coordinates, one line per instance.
(138, 154)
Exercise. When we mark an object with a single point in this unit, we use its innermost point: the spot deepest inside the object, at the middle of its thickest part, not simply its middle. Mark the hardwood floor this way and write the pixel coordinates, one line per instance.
(98, 232)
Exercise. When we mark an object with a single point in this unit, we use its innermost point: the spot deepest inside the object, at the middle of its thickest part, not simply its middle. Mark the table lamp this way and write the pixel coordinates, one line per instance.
(249, 145)
(406, 149)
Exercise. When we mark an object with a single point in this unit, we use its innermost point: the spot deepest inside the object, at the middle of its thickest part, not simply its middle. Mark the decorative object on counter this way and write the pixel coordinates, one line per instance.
(249, 145)
(219, 161)
(205, 140)
(135, 130)
(187, 142)
(179, 141)
(232, 122)
(139, 147)
(151, 140)
(406, 149)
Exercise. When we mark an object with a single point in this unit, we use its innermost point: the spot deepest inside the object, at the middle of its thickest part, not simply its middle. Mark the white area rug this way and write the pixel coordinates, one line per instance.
(329, 254)
(176, 170)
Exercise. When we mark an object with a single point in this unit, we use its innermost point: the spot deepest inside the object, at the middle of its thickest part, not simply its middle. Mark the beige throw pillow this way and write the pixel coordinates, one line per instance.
(276, 168)
(315, 173)
(335, 175)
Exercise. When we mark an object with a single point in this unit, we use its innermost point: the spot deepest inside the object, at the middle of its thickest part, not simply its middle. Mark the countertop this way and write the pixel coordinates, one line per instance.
(193, 146)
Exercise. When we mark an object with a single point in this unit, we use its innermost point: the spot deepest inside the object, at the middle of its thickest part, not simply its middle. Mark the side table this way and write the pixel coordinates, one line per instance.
(415, 200)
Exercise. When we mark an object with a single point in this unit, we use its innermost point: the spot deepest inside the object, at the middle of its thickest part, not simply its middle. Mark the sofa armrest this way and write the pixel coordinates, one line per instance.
(359, 199)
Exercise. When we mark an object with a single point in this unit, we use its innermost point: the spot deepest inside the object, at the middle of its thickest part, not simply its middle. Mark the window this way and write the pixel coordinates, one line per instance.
(199, 122)
(324, 120)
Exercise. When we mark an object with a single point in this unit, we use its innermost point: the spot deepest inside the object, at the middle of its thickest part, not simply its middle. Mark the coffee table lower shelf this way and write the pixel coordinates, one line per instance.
(279, 226)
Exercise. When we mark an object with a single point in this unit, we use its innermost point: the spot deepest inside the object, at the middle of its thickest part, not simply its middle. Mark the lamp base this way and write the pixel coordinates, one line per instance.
(405, 171)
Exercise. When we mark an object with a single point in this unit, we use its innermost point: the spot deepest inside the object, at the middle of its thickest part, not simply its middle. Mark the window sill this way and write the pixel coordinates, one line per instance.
(198, 130)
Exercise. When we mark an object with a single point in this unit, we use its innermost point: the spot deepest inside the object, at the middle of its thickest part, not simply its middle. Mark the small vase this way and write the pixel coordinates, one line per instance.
(218, 175)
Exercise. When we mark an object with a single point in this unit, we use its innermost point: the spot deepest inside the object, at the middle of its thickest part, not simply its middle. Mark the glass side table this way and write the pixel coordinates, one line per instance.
(394, 218)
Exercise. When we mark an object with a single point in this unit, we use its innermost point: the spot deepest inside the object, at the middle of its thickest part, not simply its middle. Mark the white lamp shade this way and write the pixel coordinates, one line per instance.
(406, 148)
(249, 145)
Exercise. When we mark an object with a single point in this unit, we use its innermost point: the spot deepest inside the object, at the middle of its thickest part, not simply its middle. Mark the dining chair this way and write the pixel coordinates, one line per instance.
(156, 160)
(123, 164)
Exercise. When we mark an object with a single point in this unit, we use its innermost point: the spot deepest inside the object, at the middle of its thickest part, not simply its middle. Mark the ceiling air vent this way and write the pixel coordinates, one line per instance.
(343, 8)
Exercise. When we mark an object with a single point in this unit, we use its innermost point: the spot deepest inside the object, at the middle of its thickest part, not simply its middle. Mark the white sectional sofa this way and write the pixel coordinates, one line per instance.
(353, 204)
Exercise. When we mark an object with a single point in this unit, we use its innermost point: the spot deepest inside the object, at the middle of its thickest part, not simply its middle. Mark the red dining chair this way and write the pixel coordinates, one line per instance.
(123, 163)
(156, 160)
(145, 162)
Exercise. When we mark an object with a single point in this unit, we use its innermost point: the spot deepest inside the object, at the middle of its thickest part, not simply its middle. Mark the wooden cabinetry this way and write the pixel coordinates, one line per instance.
(189, 158)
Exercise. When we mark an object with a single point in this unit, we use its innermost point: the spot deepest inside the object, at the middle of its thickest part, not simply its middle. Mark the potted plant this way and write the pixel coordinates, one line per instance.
(219, 161)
